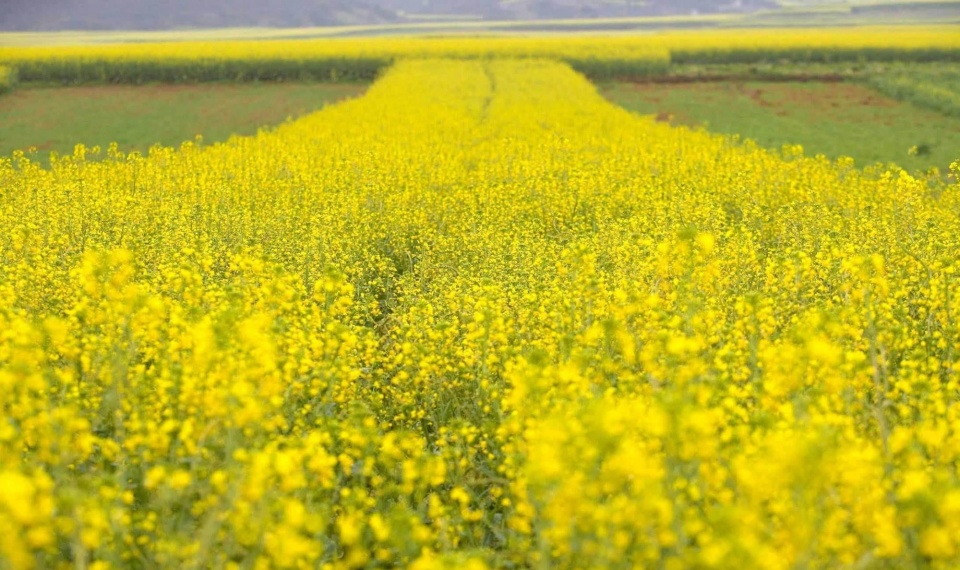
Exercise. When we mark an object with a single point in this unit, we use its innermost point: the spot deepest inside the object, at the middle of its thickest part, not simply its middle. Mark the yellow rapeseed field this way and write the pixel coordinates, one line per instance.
(603, 57)
(477, 318)
(919, 38)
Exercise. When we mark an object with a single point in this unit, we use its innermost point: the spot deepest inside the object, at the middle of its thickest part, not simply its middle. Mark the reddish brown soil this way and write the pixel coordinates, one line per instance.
(782, 98)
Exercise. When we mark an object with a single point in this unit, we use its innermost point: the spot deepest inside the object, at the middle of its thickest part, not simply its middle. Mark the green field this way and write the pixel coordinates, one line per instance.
(834, 119)
(831, 118)
(137, 117)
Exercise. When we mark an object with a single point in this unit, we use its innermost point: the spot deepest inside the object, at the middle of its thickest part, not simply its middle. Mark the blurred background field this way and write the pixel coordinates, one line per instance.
(887, 95)
(831, 118)
(840, 78)
(138, 117)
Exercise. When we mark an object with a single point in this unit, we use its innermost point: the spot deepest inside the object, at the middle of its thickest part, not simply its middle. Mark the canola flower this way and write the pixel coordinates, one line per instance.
(477, 318)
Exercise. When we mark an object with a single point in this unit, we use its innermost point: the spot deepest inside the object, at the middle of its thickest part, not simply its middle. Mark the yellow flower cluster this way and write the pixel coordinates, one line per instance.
(477, 318)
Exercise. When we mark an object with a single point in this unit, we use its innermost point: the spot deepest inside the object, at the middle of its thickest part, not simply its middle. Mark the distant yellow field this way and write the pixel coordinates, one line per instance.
(363, 59)
(230, 43)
